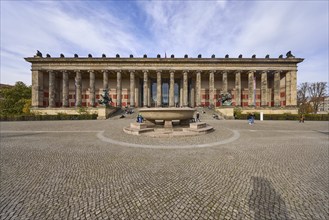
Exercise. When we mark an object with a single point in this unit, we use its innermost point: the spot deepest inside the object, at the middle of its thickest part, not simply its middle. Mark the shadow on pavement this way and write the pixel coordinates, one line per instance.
(265, 202)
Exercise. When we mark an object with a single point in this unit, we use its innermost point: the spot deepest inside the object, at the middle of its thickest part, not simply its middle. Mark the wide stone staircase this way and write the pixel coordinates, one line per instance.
(208, 114)
(205, 114)
(124, 112)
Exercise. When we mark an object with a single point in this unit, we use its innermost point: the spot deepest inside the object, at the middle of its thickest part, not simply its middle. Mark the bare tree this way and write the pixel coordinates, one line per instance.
(302, 95)
(303, 99)
(317, 91)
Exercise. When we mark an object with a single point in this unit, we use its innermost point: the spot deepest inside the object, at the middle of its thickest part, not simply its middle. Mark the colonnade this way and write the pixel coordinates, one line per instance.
(190, 95)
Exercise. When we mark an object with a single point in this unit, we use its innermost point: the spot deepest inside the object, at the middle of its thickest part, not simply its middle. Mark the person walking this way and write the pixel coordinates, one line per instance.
(301, 119)
(252, 118)
(197, 117)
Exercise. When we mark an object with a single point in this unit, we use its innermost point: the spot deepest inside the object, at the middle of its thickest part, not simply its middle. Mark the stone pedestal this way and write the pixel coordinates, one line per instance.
(200, 127)
(226, 112)
(138, 125)
(137, 128)
(167, 124)
(104, 112)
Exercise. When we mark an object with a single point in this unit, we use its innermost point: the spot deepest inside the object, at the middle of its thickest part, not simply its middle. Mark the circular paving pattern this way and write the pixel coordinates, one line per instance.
(90, 170)
(229, 135)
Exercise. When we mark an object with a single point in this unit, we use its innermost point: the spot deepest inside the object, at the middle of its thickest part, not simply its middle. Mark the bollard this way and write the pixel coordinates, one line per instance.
(261, 116)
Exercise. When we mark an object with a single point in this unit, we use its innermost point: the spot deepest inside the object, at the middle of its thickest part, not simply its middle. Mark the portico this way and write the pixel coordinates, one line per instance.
(59, 82)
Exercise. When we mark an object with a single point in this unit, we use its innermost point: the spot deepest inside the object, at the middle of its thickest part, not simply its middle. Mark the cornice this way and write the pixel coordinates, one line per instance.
(116, 61)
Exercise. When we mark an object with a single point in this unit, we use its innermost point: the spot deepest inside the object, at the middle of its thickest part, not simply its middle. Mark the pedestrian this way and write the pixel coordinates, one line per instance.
(301, 119)
(249, 118)
(139, 118)
(252, 118)
(197, 117)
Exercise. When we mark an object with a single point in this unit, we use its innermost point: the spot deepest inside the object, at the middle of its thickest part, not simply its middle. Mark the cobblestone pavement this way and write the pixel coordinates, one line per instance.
(63, 170)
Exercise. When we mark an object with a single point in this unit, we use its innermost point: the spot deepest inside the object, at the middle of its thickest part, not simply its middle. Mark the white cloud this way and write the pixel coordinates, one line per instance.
(54, 29)
(174, 27)
(261, 28)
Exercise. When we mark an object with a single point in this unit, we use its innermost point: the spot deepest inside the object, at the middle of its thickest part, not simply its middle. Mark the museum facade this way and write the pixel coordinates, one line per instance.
(70, 82)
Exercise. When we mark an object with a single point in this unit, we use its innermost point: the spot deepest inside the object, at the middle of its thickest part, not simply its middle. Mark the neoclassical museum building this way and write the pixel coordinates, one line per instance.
(60, 83)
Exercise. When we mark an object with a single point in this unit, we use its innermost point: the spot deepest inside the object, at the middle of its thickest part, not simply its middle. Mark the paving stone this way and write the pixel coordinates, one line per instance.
(63, 170)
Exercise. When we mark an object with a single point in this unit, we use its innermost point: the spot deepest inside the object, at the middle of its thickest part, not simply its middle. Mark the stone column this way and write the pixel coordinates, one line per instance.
(181, 91)
(78, 88)
(224, 78)
(145, 88)
(288, 89)
(132, 88)
(119, 88)
(172, 89)
(293, 77)
(159, 89)
(137, 92)
(105, 79)
(149, 93)
(277, 88)
(251, 87)
(238, 88)
(185, 88)
(264, 89)
(65, 99)
(37, 88)
(211, 87)
(52, 103)
(192, 98)
(198, 88)
(92, 88)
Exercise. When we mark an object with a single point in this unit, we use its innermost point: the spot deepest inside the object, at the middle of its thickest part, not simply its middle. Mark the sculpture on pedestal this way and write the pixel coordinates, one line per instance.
(226, 99)
(106, 99)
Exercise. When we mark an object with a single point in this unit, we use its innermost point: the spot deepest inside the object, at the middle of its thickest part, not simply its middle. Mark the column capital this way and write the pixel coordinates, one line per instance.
(159, 71)
(264, 71)
(131, 71)
(118, 71)
(145, 71)
(91, 71)
(251, 71)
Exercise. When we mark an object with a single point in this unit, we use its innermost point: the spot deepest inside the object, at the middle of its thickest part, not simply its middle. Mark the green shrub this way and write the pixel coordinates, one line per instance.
(286, 116)
(16, 99)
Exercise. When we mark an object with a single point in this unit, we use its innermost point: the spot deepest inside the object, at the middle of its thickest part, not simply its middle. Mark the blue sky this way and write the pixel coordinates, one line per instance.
(174, 27)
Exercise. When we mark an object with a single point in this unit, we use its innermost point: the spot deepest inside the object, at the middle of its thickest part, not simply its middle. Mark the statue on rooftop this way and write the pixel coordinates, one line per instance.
(105, 98)
(39, 54)
(289, 55)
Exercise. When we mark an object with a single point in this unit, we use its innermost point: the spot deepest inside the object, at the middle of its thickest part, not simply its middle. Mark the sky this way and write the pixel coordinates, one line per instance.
(159, 27)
